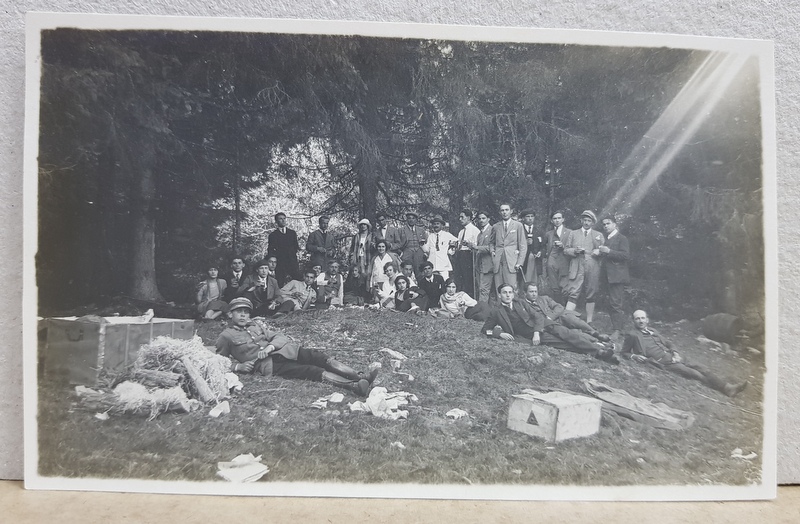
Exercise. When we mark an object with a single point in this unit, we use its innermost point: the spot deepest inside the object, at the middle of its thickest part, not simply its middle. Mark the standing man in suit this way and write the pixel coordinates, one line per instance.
(284, 246)
(321, 244)
(389, 233)
(583, 247)
(556, 266)
(530, 271)
(509, 248)
(463, 260)
(484, 267)
(413, 237)
(615, 254)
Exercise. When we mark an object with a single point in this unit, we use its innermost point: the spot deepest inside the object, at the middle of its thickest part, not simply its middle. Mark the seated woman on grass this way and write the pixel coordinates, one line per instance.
(383, 292)
(255, 348)
(408, 299)
(209, 297)
(458, 304)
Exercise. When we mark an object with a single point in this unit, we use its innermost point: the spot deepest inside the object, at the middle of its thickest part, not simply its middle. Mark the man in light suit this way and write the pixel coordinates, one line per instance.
(583, 246)
(556, 263)
(484, 267)
(509, 247)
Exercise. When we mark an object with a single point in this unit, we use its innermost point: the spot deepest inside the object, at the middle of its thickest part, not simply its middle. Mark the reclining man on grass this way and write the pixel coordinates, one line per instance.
(255, 348)
(516, 319)
(644, 344)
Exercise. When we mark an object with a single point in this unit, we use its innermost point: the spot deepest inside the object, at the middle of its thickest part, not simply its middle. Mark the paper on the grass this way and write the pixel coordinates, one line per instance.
(394, 354)
(243, 468)
(383, 404)
(456, 413)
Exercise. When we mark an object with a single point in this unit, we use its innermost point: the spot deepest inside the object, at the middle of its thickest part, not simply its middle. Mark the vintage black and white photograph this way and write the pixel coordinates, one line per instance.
(380, 260)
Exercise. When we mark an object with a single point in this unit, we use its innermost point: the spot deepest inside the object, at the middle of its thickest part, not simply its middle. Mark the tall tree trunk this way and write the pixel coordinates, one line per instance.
(143, 259)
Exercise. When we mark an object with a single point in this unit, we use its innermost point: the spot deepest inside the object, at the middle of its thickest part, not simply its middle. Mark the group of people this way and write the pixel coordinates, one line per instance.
(521, 285)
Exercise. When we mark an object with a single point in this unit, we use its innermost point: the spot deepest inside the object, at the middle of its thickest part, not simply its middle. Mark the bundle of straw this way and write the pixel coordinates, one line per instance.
(166, 354)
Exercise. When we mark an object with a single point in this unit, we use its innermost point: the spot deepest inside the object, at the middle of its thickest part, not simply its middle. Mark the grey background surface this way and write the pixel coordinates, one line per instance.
(740, 19)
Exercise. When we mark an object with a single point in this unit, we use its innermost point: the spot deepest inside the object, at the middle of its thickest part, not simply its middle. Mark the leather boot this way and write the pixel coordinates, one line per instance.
(606, 354)
(334, 366)
(359, 387)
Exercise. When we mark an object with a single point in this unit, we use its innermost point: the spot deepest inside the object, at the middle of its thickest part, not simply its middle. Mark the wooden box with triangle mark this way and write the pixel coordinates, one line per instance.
(554, 416)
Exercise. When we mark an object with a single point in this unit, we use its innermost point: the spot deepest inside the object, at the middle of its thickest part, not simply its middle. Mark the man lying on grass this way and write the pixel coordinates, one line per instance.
(257, 349)
(515, 319)
(644, 344)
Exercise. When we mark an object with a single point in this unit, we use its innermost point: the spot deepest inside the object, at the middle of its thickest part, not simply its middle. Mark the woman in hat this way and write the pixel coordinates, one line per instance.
(209, 297)
(360, 255)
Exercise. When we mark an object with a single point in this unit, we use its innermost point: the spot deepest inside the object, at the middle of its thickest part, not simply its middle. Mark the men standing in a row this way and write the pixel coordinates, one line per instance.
(464, 273)
(437, 248)
(509, 248)
(530, 271)
(321, 244)
(584, 268)
(556, 265)
(414, 237)
(615, 255)
(391, 234)
(284, 246)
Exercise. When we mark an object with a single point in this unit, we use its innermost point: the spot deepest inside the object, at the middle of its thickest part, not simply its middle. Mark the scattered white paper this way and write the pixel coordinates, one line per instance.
(398, 445)
(101, 416)
(394, 354)
(243, 468)
(456, 413)
(220, 409)
(233, 382)
(383, 404)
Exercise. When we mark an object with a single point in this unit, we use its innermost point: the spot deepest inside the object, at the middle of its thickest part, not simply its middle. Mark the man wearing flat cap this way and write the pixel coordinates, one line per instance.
(583, 248)
(531, 267)
(438, 246)
(413, 237)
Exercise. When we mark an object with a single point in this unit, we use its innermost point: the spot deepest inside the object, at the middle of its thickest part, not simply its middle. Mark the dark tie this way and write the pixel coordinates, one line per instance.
(437, 241)
(585, 232)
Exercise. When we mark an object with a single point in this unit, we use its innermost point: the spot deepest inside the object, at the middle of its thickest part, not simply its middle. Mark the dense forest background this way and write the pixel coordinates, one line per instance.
(161, 152)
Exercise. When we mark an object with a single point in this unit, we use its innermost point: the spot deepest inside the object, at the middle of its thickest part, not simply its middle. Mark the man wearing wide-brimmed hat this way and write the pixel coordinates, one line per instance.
(438, 246)
(583, 247)
(413, 237)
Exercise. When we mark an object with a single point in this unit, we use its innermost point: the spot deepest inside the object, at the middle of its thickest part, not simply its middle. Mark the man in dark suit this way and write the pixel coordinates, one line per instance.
(524, 321)
(645, 344)
(321, 245)
(615, 254)
(509, 248)
(432, 285)
(261, 289)
(556, 263)
(234, 279)
(389, 233)
(484, 267)
(284, 246)
(531, 267)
